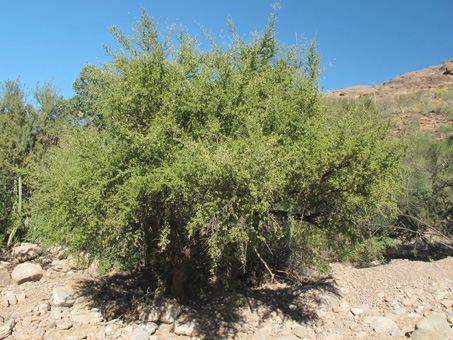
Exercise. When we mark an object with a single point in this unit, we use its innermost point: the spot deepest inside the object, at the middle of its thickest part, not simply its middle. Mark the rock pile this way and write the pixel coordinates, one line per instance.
(40, 300)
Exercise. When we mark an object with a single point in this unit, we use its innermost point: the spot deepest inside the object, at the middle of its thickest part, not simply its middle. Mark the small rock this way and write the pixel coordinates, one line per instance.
(139, 334)
(149, 327)
(5, 278)
(344, 305)
(5, 331)
(381, 324)
(86, 317)
(26, 252)
(328, 301)
(400, 311)
(356, 311)
(63, 324)
(21, 296)
(151, 315)
(407, 302)
(170, 312)
(11, 297)
(301, 332)
(187, 329)
(50, 325)
(62, 298)
(27, 271)
(287, 337)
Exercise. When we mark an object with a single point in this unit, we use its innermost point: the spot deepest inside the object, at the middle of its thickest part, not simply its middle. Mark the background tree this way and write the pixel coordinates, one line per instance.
(26, 130)
(208, 162)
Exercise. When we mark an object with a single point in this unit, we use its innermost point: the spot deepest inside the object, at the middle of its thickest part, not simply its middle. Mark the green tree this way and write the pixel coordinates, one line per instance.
(427, 203)
(26, 130)
(211, 159)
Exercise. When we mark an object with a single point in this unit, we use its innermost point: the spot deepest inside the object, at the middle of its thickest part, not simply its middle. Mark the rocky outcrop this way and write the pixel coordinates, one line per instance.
(449, 68)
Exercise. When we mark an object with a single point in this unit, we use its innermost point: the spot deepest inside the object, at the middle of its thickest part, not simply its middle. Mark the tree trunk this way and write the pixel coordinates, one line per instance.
(179, 276)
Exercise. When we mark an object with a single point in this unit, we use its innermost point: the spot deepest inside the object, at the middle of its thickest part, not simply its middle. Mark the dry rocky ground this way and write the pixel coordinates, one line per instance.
(54, 299)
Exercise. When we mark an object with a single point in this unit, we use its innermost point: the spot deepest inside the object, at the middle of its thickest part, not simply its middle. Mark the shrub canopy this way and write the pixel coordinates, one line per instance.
(207, 160)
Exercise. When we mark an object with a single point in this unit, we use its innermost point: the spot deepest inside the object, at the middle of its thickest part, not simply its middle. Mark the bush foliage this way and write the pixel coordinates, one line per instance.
(215, 162)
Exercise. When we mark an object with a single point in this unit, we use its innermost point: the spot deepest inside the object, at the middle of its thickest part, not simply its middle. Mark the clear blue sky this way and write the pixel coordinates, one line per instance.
(366, 41)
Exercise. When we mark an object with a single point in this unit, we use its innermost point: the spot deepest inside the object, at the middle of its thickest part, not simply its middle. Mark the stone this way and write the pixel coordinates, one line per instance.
(11, 297)
(27, 271)
(301, 332)
(5, 331)
(328, 301)
(432, 327)
(343, 306)
(26, 252)
(149, 327)
(139, 334)
(63, 324)
(170, 312)
(151, 315)
(187, 329)
(287, 337)
(62, 298)
(21, 296)
(439, 296)
(381, 324)
(5, 277)
(86, 317)
(356, 311)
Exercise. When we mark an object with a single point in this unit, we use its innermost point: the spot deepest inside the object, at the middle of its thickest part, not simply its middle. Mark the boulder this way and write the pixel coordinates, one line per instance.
(432, 327)
(27, 272)
(26, 252)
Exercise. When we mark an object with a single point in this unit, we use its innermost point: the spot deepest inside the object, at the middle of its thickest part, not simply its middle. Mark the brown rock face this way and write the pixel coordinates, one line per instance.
(449, 68)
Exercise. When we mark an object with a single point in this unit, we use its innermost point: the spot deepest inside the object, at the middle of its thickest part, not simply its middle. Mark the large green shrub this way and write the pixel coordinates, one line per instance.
(213, 160)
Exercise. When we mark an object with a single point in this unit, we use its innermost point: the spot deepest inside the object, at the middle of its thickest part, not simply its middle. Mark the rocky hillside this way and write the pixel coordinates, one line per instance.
(427, 80)
(415, 101)
(50, 297)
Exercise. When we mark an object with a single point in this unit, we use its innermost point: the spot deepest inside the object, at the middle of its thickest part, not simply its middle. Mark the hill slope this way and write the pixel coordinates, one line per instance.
(415, 101)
